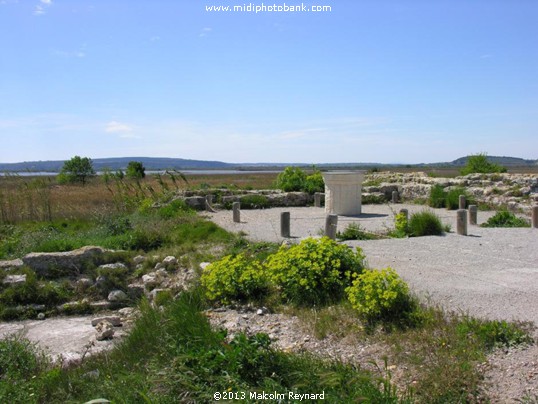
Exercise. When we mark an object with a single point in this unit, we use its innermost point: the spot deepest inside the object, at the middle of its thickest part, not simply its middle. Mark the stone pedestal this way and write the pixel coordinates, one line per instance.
(343, 192)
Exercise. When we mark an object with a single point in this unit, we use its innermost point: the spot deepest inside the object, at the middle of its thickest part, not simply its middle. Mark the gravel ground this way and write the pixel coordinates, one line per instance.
(491, 273)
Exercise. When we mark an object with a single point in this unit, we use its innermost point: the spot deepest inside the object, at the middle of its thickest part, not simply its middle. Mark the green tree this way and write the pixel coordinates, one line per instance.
(78, 169)
(136, 170)
(479, 163)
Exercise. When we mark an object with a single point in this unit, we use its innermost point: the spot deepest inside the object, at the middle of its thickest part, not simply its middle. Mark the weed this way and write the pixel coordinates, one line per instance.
(425, 223)
(505, 218)
(254, 202)
(437, 198)
(354, 232)
(453, 198)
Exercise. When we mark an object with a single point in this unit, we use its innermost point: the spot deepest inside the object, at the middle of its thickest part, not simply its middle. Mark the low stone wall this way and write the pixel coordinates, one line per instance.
(516, 191)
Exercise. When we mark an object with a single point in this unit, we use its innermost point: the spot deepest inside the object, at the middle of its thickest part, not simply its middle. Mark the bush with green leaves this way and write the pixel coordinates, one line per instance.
(425, 223)
(354, 231)
(77, 169)
(479, 163)
(254, 201)
(234, 278)
(505, 218)
(401, 226)
(494, 333)
(453, 198)
(291, 179)
(315, 271)
(136, 170)
(437, 198)
(382, 296)
(314, 183)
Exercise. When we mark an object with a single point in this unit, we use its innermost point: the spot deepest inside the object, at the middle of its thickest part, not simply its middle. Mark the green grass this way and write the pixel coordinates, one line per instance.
(425, 223)
(174, 356)
(505, 218)
(354, 231)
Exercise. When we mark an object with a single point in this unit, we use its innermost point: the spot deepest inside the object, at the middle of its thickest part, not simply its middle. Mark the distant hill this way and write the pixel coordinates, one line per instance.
(163, 163)
(120, 163)
(502, 160)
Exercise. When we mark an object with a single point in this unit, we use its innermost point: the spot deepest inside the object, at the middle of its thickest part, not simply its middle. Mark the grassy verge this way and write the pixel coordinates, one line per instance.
(174, 356)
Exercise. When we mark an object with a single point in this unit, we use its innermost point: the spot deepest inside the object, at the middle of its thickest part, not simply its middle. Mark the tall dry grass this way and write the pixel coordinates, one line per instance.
(41, 198)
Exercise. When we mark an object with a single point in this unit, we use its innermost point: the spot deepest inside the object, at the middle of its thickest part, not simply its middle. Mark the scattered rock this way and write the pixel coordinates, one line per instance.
(8, 265)
(114, 320)
(70, 261)
(41, 316)
(170, 260)
(139, 259)
(150, 280)
(117, 296)
(104, 330)
(14, 279)
(112, 267)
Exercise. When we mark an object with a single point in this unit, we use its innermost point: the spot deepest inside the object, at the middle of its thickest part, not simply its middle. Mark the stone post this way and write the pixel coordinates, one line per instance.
(473, 213)
(462, 222)
(462, 202)
(285, 224)
(236, 207)
(331, 222)
(535, 216)
(394, 196)
(317, 199)
(405, 212)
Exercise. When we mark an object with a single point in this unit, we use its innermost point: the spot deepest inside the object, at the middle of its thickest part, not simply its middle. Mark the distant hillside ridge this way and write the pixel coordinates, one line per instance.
(167, 163)
(502, 160)
(120, 163)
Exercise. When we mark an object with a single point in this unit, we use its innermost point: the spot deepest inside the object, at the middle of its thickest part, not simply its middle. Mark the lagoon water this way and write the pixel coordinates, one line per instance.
(186, 172)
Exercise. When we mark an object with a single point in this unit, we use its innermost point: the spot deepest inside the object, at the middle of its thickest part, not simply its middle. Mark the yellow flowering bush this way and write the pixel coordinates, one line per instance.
(380, 295)
(316, 271)
(234, 278)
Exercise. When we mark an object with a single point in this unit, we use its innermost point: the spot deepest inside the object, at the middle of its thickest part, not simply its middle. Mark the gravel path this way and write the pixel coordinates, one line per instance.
(491, 273)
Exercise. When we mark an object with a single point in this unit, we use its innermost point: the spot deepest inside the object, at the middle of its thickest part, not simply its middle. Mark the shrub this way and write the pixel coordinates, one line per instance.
(437, 198)
(453, 198)
(234, 278)
(373, 199)
(381, 295)
(254, 202)
(401, 226)
(479, 163)
(425, 223)
(291, 179)
(316, 271)
(492, 334)
(505, 218)
(19, 359)
(77, 169)
(136, 170)
(314, 183)
(354, 232)
(172, 209)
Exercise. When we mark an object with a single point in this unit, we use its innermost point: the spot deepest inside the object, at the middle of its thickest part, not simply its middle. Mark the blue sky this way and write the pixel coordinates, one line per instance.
(369, 81)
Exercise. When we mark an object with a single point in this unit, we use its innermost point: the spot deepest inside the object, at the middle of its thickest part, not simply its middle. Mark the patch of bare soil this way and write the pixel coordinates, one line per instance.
(511, 375)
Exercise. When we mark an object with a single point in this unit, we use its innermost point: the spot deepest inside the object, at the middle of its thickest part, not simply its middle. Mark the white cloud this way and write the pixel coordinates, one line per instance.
(123, 130)
(205, 32)
(41, 8)
(118, 127)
